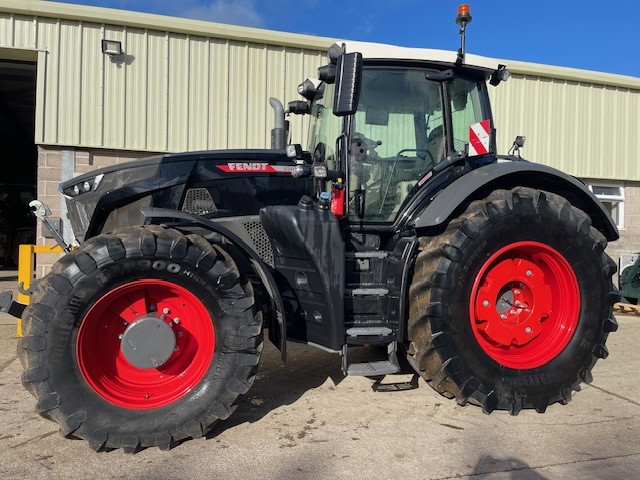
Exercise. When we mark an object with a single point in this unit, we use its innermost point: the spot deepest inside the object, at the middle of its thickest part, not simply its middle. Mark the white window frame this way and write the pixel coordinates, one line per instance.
(620, 199)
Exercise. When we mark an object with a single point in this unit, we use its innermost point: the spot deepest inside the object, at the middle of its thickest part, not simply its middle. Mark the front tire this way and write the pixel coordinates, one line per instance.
(508, 306)
(140, 338)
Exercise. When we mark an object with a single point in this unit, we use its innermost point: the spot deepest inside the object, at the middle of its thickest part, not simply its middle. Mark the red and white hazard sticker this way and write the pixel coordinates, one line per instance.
(255, 167)
(479, 138)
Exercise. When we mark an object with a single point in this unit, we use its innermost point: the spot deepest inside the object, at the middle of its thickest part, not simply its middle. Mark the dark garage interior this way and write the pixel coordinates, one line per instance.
(19, 158)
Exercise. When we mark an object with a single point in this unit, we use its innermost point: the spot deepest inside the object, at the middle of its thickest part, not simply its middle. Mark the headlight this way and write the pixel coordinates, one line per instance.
(90, 185)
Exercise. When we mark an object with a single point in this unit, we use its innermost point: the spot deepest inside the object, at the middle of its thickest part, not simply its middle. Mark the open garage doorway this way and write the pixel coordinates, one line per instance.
(18, 158)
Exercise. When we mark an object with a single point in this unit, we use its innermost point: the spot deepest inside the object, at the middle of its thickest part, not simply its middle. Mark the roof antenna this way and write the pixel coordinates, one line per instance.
(463, 18)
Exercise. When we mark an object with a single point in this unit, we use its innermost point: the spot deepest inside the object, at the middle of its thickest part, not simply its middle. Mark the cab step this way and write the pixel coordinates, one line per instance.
(369, 332)
(373, 368)
(370, 335)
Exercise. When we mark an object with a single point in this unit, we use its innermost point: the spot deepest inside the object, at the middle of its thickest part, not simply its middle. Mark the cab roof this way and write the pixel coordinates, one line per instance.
(382, 51)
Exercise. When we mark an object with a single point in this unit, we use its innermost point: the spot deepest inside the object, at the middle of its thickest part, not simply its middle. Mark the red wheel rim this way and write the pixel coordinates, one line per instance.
(106, 369)
(525, 305)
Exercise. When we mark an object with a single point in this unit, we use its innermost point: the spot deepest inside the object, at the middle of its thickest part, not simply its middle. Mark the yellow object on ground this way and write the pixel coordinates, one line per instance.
(26, 267)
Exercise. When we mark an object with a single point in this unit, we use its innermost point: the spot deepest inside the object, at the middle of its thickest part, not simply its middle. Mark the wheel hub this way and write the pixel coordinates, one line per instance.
(525, 304)
(148, 342)
(145, 344)
(513, 302)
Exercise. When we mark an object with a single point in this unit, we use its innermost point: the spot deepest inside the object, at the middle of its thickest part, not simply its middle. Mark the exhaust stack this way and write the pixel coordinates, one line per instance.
(280, 131)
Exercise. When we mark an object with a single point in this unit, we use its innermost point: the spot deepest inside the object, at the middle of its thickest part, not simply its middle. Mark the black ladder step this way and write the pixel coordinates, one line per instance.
(369, 331)
(377, 292)
(373, 368)
(375, 254)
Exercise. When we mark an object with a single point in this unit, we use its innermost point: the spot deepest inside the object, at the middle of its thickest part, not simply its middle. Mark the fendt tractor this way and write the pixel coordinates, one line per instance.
(399, 228)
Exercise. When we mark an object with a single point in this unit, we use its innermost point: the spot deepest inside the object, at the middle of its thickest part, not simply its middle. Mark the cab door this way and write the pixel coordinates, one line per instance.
(399, 134)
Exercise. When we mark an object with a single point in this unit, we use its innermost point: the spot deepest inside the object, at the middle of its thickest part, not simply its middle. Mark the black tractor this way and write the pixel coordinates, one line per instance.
(400, 227)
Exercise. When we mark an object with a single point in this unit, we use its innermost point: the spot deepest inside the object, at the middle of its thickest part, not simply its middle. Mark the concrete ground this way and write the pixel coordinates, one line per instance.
(306, 421)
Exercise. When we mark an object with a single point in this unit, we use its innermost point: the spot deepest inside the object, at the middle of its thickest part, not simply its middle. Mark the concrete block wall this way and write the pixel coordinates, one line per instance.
(56, 163)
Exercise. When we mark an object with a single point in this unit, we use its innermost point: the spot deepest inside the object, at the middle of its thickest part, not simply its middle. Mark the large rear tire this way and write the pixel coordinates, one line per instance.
(140, 338)
(508, 306)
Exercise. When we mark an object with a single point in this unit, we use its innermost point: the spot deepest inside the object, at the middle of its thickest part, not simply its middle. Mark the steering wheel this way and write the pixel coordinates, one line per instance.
(420, 153)
(425, 160)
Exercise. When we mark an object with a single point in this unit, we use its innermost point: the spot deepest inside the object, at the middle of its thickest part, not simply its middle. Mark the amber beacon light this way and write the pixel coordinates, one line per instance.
(463, 18)
(464, 15)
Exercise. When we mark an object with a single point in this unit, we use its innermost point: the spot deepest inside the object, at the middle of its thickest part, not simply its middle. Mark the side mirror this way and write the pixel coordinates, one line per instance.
(348, 82)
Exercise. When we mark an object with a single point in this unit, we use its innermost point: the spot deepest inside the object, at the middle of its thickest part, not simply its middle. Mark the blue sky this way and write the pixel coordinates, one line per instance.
(589, 34)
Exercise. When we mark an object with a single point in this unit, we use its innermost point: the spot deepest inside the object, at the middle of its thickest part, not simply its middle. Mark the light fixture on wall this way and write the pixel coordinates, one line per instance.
(113, 48)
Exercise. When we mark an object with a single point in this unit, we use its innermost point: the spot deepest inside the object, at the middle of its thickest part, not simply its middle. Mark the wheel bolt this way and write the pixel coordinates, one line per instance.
(516, 291)
(165, 310)
(527, 330)
(503, 316)
(485, 303)
(120, 337)
(176, 320)
(513, 312)
(518, 303)
(529, 273)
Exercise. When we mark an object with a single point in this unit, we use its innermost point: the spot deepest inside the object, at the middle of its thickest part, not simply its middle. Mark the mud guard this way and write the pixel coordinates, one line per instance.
(511, 174)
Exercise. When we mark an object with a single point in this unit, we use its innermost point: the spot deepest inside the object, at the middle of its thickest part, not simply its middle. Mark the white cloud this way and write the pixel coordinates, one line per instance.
(237, 12)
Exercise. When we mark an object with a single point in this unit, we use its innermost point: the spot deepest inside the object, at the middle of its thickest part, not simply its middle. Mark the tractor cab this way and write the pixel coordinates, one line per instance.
(414, 111)
(390, 128)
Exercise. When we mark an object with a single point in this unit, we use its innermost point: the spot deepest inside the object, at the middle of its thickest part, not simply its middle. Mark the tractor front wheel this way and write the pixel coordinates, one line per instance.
(140, 338)
(508, 306)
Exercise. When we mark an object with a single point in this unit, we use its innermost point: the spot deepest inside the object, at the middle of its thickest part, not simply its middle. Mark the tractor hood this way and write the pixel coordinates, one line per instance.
(212, 183)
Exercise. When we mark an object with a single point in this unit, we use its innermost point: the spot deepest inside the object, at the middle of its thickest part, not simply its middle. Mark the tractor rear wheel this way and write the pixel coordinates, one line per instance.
(508, 306)
(140, 338)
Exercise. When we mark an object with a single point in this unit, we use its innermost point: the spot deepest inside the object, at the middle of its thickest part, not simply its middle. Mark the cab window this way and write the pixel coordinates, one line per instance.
(399, 136)
(466, 109)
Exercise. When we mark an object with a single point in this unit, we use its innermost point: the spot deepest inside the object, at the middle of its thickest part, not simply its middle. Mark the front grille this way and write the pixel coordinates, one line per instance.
(260, 241)
(81, 216)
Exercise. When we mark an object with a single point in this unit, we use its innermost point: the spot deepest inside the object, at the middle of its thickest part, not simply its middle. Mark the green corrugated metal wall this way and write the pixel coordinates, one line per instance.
(581, 122)
(172, 92)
